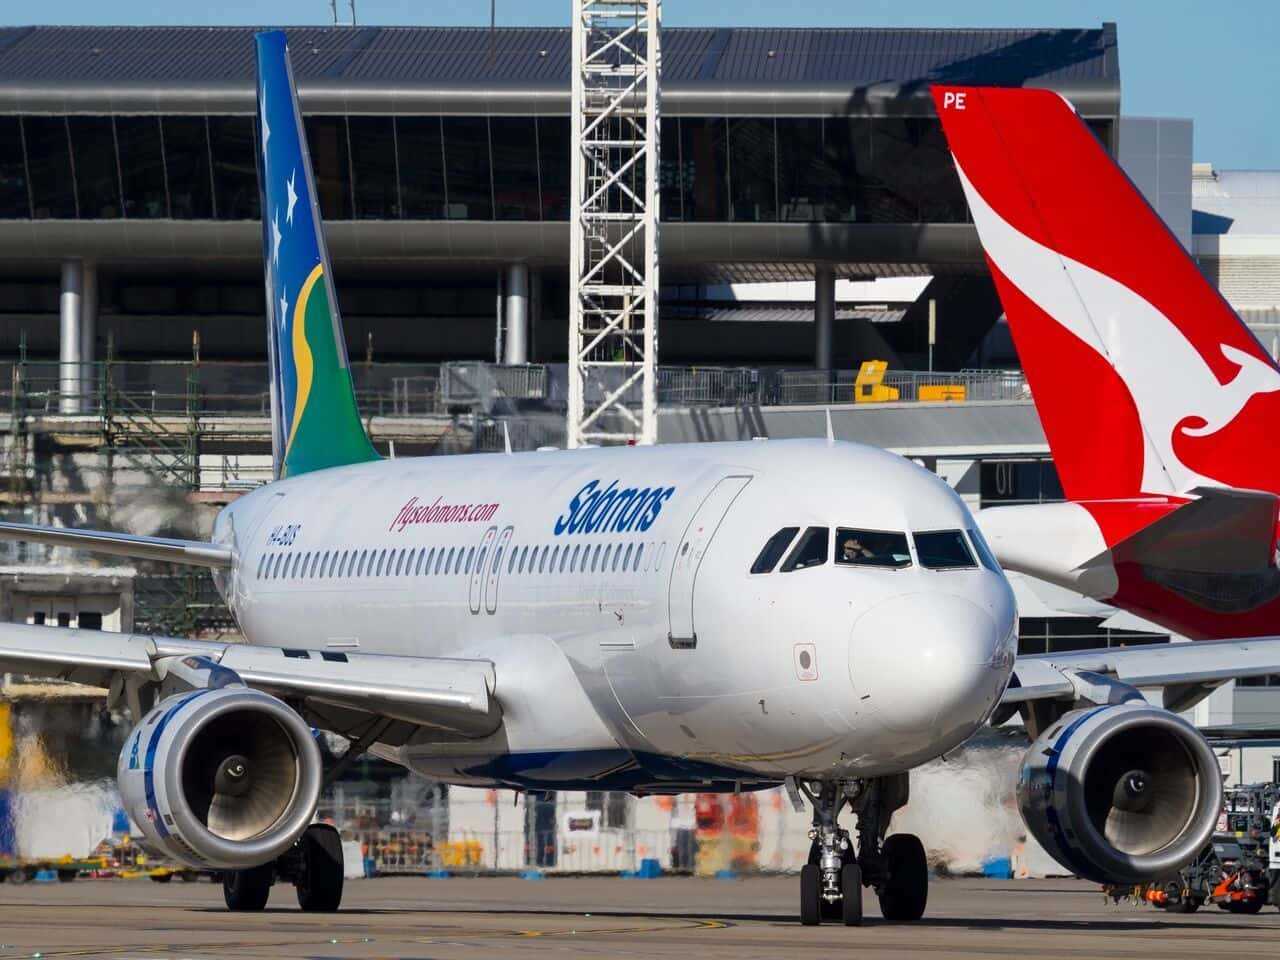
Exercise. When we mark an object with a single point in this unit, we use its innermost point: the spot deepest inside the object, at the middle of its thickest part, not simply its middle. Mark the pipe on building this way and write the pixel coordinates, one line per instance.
(88, 326)
(516, 346)
(70, 336)
(824, 314)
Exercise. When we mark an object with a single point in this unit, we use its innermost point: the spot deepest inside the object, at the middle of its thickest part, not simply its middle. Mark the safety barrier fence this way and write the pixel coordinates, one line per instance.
(41, 388)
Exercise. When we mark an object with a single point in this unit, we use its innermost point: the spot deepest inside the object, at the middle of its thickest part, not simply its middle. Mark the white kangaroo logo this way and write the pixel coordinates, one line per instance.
(1169, 380)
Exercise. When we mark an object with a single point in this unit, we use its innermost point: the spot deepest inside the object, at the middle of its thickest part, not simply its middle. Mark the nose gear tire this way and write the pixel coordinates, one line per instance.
(810, 895)
(851, 895)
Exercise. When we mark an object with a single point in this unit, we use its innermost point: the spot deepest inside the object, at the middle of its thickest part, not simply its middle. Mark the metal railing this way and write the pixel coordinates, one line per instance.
(147, 399)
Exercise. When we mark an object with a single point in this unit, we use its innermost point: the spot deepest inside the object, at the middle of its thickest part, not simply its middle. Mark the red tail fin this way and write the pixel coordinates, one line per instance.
(1145, 379)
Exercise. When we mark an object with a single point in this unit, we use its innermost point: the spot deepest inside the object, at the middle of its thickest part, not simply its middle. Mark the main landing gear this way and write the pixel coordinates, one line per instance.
(313, 865)
(831, 882)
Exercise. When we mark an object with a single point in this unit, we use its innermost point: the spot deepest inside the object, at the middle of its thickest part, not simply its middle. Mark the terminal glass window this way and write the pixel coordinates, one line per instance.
(331, 164)
(811, 551)
(804, 178)
(146, 196)
(705, 164)
(669, 172)
(467, 174)
(773, 549)
(186, 158)
(93, 148)
(943, 550)
(553, 162)
(753, 174)
(373, 168)
(49, 162)
(235, 172)
(421, 155)
(515, 168)
(14, 202)
(872, 548)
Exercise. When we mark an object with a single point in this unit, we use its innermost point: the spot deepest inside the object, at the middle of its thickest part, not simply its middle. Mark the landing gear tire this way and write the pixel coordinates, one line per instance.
(246, 891)
(810, 895)
(905, 890)
(1245, 906)
(320, 875)
(851, 895)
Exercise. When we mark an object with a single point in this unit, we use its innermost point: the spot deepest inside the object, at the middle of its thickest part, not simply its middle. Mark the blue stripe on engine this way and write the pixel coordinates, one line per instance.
(148, 770)
(1051, 815)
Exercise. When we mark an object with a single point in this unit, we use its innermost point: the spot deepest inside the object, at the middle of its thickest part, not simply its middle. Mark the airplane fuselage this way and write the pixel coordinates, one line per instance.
(612, 590)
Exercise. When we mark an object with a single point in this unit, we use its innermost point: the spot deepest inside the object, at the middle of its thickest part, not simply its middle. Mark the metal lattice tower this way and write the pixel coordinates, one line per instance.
(613, 254)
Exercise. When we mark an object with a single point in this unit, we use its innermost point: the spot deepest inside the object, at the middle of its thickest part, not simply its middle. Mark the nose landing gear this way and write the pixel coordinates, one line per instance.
(831, 882)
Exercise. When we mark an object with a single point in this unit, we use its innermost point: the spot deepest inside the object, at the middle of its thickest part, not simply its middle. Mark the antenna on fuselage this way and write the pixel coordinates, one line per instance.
(506, 437)
(831, 434)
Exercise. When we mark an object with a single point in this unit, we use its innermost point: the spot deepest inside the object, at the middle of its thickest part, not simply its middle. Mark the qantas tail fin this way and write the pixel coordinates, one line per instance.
(1145, 380)
(315, 421)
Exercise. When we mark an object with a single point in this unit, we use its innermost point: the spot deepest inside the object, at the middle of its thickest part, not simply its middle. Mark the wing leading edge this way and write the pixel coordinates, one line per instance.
(197, 553)
(447, 694)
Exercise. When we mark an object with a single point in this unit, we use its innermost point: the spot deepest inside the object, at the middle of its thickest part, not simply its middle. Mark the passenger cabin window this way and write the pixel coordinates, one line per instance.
(773, 550)
(872, 548)
(943, 550)
(811, 551)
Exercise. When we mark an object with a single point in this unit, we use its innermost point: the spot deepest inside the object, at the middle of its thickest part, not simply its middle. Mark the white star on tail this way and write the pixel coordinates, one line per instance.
(284, 308)
(266, 129)
(293, 196)
(275, 239)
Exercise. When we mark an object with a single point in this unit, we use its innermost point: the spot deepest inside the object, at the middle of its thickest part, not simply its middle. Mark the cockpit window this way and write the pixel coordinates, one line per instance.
(773, 550)
(983, 549)
(943, 550)
(811, 551)
(872, 548)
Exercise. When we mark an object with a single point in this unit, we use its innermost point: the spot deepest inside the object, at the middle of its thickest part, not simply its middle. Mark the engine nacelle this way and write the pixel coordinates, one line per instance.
(221, 778)
(1121, 794)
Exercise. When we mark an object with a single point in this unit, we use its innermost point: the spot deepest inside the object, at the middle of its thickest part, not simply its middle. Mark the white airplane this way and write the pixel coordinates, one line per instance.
(707, 617)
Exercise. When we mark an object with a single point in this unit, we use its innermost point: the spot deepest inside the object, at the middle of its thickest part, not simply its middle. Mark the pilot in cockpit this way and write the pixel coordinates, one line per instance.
(853, 550)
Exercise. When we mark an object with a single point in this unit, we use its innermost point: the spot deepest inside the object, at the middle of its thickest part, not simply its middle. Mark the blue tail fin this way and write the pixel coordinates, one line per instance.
(314, 417)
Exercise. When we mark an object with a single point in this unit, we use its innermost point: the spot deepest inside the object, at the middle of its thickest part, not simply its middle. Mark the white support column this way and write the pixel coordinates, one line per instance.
(69, 336)
(516, 346)
(613, 222)
(88, 328)
(824, 315)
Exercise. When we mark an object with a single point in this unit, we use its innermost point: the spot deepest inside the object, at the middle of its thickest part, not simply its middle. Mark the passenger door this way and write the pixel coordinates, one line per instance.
(477, 572)
(682, 632)
(495, 571)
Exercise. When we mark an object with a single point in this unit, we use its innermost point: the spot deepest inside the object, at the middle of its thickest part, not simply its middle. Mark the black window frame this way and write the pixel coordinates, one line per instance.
(773, 551)
(810, 534)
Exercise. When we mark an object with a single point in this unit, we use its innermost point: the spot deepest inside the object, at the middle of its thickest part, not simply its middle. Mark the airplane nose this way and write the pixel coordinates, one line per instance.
(929, 665)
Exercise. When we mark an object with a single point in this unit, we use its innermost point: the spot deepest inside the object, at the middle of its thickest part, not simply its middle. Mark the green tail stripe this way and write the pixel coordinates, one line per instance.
(326, 429)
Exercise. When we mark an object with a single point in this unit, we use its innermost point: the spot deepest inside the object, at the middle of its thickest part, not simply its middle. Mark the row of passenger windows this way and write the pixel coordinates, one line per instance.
(630, 557)
(934, 549)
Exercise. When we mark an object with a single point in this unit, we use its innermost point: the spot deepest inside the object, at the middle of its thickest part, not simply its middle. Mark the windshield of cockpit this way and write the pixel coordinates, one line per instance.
(872, 548)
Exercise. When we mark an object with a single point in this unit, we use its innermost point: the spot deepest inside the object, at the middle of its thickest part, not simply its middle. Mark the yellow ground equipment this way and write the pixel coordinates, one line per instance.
(869, 386)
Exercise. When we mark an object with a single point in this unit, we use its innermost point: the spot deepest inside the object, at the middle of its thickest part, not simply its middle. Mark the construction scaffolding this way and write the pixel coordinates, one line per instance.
(613, 272)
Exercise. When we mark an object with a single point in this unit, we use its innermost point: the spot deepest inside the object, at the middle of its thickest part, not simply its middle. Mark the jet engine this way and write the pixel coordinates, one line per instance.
(1121, 794)
(222, 778)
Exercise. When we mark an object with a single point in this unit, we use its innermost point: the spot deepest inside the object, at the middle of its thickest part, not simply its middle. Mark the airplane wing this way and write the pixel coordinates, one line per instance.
(1186, 672)
(191, 552)
(340, 691)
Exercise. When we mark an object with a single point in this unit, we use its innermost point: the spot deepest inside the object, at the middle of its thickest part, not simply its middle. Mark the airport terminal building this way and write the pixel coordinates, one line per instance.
(442, 157)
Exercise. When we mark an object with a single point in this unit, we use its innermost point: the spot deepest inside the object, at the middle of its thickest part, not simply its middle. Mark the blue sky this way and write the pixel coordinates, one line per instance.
(1213, 62)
